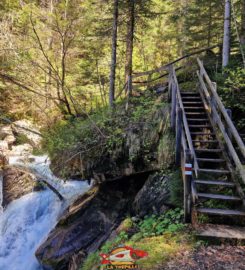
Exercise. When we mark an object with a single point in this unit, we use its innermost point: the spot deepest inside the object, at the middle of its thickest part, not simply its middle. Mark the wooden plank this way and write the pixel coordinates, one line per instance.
(218, 197)
(200, 126)
(222, 231)
(222, 212)
(214, 171)
(205, 141)
(229, 122)
(211, 160)
(165, 67)
(202, 133)
(208, 150)
(178, 136)
(212, 182)
(173, 106)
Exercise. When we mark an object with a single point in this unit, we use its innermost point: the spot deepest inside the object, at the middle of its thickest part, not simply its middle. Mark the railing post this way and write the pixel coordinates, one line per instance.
(178, 136)
(187, 186)
(228, 131)
(173, 106)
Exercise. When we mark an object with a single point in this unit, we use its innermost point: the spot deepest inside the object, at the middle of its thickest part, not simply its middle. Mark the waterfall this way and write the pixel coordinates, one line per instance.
(26, 222)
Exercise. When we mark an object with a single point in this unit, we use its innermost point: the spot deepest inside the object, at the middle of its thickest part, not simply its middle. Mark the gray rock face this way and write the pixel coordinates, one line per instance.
(153, 197)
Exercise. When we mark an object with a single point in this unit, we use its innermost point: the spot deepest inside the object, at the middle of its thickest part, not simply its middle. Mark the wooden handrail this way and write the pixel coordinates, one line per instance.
(222, 109)
(175, 86)
(218, 120)
(165, 67)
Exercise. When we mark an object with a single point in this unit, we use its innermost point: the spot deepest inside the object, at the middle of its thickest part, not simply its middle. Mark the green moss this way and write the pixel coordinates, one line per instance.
(114, 135)
(161, 236)
(92, 260)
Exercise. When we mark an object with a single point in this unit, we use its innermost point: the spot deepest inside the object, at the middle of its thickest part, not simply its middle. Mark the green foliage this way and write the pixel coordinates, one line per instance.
(161, 236)
(21, 139)
(176, 188)
(232, 90)
(169, 222)
(92, 260)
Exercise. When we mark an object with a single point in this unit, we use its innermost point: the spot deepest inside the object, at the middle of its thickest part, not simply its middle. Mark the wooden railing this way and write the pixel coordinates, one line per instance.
(222, 120)
(179, 121)
(185, 152)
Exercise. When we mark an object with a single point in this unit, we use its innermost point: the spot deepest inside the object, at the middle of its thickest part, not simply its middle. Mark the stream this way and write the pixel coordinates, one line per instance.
(26, 222)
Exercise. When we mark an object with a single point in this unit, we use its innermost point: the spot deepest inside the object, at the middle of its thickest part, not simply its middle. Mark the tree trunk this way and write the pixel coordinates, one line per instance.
(129, 48)
(113, 55)
(243, 24)
(227, 33)
(210, 23)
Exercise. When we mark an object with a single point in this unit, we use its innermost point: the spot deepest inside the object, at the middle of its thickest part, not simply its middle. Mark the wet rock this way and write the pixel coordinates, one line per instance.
(21, 150)
(88, 223)
(16, 183)
(153, 198)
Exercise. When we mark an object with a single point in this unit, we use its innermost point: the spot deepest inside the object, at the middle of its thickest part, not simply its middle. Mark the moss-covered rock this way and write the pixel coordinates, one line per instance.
(113, 144)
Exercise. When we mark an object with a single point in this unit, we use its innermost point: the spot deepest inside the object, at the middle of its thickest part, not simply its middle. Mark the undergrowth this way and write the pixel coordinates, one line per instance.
(161, 236)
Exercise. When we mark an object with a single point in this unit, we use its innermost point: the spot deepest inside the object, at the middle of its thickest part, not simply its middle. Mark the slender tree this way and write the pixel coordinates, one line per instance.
(130, 45)
(227, 33)
(113, 55)
(243, 24)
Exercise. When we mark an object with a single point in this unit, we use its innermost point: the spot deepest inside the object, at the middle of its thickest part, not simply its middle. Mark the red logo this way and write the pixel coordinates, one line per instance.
(123, 256)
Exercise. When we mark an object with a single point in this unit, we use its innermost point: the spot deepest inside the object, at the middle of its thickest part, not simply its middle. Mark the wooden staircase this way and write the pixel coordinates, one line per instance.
(214, 183)
(210, 152)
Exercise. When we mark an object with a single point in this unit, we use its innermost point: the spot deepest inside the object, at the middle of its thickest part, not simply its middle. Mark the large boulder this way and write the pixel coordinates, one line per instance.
(154, 196)
(16, 183)
(135, 149)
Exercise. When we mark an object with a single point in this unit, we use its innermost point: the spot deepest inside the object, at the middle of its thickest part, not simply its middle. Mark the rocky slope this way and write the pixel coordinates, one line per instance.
(17, 140)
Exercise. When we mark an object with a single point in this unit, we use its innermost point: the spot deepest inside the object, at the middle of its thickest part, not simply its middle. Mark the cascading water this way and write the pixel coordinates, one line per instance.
(26, 222)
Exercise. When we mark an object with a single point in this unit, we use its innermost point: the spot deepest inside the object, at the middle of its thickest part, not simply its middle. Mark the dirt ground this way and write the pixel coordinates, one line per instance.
(209, 258)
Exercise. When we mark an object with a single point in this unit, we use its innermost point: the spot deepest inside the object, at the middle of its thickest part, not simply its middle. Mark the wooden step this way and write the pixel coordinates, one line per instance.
(211, 231)
(205, 141)
(218, 197)
(191, 98)
(196, 113)
(213, 160)
(193, 108)
(202, 133)
(221, 212)
(197, 119)
(200, 126)
(192, 102)
(214, 171)
(208, 150)
(190, 93)
(214, 183)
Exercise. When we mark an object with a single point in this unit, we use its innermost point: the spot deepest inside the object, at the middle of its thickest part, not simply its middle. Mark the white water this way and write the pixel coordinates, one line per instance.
(26, 222)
